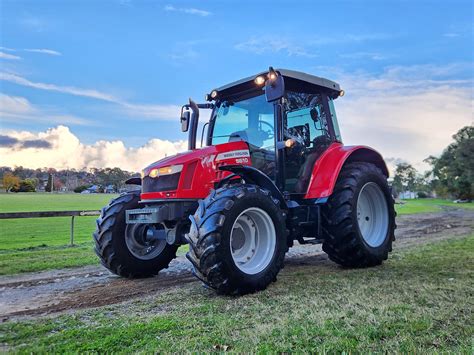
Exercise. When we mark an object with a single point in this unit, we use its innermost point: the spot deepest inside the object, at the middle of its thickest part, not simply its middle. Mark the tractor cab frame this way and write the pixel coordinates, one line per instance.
(298, 117)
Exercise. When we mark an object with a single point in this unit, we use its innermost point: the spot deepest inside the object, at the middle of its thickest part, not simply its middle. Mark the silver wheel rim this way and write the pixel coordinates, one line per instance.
(252, 240)
(372, 214)
(140, 243)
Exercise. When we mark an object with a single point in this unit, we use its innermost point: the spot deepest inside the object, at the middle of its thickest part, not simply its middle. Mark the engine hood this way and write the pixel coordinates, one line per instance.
(198, 173)
(180, 158)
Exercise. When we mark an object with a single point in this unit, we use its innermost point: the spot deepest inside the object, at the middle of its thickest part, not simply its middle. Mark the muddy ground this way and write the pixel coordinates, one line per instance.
(44, 293)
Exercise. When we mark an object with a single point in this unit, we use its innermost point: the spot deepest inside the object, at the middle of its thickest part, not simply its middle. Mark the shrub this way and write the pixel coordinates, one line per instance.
(81, 188)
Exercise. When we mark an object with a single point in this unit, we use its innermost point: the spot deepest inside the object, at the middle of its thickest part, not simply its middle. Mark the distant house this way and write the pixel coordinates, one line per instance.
(94, 189)
(109, 189)
(407, 195)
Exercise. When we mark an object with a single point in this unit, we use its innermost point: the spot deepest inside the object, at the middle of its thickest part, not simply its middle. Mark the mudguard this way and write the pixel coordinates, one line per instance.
(327, 168)
(256, 177)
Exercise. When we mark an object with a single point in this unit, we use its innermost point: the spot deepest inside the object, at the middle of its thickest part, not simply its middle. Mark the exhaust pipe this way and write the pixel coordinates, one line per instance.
(194, 125)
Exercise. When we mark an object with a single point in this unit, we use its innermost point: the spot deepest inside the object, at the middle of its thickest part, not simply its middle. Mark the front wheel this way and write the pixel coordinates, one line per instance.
(237, 240)
(128, 250)
(359, 217)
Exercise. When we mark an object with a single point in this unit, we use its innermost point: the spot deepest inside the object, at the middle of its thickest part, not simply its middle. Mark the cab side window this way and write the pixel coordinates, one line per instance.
(305, 110)
(306, 122)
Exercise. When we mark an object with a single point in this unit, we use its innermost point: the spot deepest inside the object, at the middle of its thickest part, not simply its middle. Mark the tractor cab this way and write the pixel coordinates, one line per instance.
(286, 117)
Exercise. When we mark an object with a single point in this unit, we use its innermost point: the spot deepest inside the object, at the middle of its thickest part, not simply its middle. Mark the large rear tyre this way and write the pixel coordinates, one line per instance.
(123, 249)
(237, 239)
(359, 217)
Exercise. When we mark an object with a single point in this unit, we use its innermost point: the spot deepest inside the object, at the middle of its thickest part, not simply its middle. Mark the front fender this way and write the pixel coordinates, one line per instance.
(326, 170)
(256, 177)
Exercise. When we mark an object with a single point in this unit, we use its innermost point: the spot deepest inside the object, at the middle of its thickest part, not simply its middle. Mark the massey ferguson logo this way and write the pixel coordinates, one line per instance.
(235, 154)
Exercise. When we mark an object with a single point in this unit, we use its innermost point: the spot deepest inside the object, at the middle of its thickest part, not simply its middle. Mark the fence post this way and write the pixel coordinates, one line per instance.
(72, 230)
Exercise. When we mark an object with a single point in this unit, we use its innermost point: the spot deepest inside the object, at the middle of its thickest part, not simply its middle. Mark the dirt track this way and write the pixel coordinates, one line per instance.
(70, 289)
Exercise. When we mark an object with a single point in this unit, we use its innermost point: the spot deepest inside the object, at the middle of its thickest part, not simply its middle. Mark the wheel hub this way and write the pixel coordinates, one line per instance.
(253, 240)
(372, 214)
(143, 242)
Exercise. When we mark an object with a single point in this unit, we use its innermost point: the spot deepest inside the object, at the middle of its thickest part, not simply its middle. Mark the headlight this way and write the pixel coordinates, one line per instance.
(167, 170)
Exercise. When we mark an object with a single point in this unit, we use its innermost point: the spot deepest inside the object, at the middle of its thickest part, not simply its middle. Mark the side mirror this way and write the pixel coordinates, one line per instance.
(185, 118)
(275, 88)
(314, 114)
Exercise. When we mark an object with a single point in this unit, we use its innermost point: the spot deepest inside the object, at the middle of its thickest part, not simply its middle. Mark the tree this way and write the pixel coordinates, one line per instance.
(27, 185)
(10, 181)
(405, 177)
(81, 188)
(58, 184)
(49, 184)
(453, 171)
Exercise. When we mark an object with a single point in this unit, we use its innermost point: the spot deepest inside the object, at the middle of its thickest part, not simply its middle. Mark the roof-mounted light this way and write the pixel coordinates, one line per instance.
(260, 80)
(272, 74)
(212, 96)
(341, 93)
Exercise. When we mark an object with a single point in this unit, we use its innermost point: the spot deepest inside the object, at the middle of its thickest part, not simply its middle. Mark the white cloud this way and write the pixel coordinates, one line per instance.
(188, 10)
(34, 50)
(4, 55)
(14, 105)
(15, 108)
(67, 151)
(364, 55)
(305, 47)
(34, 23)
(273, 44)
(43, 51)
(13, 78)
(166, 112)
(405, 112)
(183, 54)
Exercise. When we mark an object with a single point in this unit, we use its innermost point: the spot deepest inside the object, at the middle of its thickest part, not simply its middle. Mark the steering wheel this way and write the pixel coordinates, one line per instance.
(270, 132)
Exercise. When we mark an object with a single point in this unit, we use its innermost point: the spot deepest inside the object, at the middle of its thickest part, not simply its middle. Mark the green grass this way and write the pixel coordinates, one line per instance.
(46, 258)
(428, 205)
(420, 301)
(36, 244)
(29, 202)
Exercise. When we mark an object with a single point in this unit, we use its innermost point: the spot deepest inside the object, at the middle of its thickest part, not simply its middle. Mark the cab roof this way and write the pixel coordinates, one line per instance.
(302, 78)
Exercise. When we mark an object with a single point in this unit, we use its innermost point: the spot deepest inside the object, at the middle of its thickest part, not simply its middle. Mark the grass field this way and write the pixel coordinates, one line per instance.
(420, 301)
(42, 243)
(36, 244)
(428, 205)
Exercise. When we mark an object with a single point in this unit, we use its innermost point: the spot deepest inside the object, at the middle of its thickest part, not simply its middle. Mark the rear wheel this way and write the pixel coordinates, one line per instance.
(359, 217)
(129, 250)
(237, 239)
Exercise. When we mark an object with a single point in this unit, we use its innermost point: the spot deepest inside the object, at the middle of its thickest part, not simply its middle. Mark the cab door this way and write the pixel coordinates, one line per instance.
(307, 123)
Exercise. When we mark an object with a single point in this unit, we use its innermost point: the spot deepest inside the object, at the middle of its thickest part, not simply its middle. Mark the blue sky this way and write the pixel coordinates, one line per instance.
(117, 70)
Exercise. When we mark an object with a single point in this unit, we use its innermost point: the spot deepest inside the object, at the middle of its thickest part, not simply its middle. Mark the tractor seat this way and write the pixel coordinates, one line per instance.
(320, 144)
(238, 136)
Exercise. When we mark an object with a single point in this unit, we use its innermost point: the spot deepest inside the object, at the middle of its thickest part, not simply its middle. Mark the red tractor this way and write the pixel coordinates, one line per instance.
(273, 170)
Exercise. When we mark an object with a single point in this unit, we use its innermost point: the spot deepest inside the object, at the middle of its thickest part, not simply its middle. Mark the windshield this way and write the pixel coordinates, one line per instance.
(250, 120)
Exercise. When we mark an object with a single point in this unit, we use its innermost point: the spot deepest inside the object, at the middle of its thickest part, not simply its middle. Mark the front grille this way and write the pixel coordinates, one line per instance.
(161, 183)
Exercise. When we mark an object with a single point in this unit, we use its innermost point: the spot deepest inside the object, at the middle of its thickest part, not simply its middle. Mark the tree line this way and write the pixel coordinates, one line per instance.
(451, 174)
(20, 179)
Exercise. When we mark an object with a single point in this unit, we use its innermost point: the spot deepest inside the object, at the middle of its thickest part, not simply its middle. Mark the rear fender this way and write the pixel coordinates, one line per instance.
(255, 176)
(326, 170)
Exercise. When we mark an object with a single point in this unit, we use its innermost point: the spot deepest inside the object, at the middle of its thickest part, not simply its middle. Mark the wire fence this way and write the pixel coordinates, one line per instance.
(45, 214)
